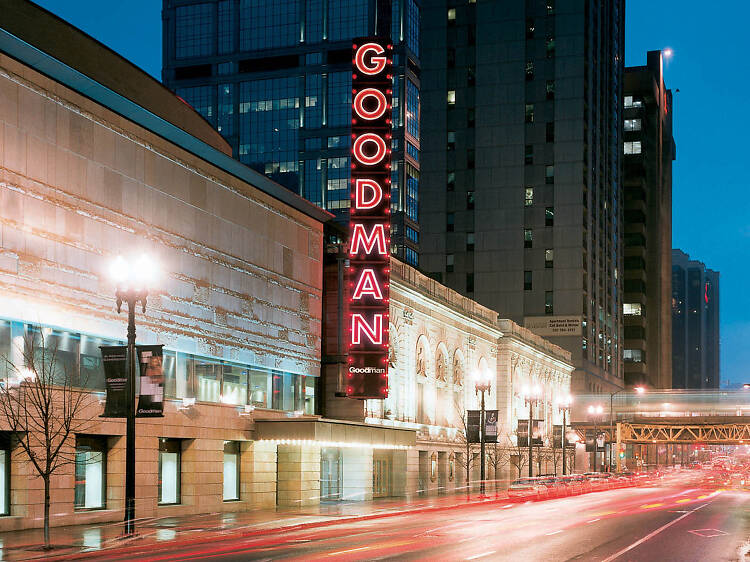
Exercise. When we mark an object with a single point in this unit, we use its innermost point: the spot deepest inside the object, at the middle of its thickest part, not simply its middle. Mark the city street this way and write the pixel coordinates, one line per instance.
(677, 520)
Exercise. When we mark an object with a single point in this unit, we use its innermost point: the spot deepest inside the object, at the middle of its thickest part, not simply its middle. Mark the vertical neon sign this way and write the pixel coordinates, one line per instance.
(369, 220)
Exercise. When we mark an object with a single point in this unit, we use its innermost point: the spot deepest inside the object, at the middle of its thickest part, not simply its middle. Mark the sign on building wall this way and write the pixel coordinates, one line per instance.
(553, 325)
(369, 221)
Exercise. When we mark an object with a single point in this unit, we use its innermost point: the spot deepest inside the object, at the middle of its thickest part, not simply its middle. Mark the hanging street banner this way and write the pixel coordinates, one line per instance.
(368, 276)
(522, 434)
(114, 361)
(537, 433)
(490, 426)
(473, 421)
(151, 363)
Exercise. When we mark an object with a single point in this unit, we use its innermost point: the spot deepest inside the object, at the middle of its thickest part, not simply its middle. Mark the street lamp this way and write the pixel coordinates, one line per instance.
(531, 395)
(482, 383)
(132, 280)
(595, 413)
(564, 404)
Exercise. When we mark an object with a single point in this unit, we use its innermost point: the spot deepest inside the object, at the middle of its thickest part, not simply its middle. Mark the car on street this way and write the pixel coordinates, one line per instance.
(528, 488)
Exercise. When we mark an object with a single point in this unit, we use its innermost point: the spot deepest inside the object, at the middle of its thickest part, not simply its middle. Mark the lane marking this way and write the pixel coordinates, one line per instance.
(554, 532)
(481, 555)
(651, 534)
(650, 505)
(594, 520)
(350, 550)
(684, 501)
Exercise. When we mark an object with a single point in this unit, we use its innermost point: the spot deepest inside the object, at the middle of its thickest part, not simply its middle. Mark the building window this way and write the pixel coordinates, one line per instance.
(528, 238)
(528, 156)
(412, 26)
(201, 99)
(450, 56)
(548, 304)
(411, 256)
(527, 280)
(550, 132)
(225, 122)
(412, 109)
(549, 257)
(550, 7)
(632, 147)
(339, 102)
(226, 26)
(412, 191)
(529, 113)
(313, 101)
(550, 89)
(194, 31)
(451, 140)
(550, 46)
(90, 472)
(451, 14)
(340, 141)
(267, 25)
(346, 19)
(469, 200)
(529, 71)
(549, 174)
(470, 118)
(451, 181)
(170, 451)
(469, 282)
(314, 21)
(231, 470)
(632, 124)
(451, 97)
(469, 241)
(549, 216)
(632, 309)
(471, 76)
(337, 189)
(449, 261)
(528, 197)
(530, 28)
(633, 355)
(412, 235)
(470, 158)
(450, 222)
(5, 473)
(630, 101)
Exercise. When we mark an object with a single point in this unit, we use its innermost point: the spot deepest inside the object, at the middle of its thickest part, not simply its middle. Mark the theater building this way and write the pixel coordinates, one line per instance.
(97, 159)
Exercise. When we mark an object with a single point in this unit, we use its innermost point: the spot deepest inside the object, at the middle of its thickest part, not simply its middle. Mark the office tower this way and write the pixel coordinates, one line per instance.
(649, 150)
(695, 324)
(275, 79)
(521, 168)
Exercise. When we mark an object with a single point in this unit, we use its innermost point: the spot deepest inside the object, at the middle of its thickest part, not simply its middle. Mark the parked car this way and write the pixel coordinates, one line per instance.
(528, 488)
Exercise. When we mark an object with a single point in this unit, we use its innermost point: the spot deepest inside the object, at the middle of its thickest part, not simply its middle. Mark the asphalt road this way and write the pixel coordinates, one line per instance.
(677, 521)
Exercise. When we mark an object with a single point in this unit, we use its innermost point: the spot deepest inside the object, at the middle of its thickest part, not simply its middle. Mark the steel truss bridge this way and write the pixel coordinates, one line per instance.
(720, 430)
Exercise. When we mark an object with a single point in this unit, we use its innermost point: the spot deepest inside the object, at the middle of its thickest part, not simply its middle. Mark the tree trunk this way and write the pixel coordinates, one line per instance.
(46, 512)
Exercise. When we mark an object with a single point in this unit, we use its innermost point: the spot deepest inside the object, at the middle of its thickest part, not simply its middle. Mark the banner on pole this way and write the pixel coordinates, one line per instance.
(151, 363)
(114, 361)
(490, 426)
(522, 434)
(473, 423)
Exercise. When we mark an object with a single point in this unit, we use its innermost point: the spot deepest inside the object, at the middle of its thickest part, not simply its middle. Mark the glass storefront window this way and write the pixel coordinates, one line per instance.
(5, 346)
(231, 470)
(4, 474)
(92, 370)
(309, 397)
(169, 471)
(234, 385)
(208, 378)
(260, 394)
(90, 472)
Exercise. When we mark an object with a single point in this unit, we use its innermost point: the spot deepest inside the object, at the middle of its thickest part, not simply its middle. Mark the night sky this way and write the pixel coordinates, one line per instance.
(711, 209)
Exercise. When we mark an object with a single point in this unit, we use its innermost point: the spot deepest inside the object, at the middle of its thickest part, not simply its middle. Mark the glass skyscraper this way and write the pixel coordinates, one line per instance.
(274, 78)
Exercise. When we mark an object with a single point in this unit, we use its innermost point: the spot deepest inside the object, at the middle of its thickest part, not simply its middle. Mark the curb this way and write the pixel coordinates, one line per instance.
(239, 534)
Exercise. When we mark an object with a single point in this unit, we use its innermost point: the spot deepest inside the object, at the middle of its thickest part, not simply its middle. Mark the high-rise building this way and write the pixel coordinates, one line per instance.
(695, 323)
(521, 168)
(649, 150)
(275, 79)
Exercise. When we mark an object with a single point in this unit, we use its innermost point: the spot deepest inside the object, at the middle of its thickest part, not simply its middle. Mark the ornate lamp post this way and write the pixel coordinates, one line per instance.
(482, 383)
(564, 404)
(531, 395)
(595, 413)
(132, 281)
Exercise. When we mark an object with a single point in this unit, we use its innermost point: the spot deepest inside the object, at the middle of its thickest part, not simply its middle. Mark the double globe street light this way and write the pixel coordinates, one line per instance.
(482, 384)
(133, 278)
(531, 395)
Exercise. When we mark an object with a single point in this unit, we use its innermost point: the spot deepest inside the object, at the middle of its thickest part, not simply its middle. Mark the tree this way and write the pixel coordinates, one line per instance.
(518, 455)
(42, 404)
(466, 460)
(497, 457)
(556, 457)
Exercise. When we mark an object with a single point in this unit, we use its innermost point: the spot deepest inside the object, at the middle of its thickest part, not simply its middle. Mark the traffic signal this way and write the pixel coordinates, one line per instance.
(622, 451)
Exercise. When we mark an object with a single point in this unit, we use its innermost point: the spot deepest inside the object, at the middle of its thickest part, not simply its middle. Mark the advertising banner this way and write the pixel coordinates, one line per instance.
(114, 361)
(557, 436)
(523, 433)
(490, 426)
(369, 218)
(473, 421)
(537, 433)
(549, 326)
(151, 363)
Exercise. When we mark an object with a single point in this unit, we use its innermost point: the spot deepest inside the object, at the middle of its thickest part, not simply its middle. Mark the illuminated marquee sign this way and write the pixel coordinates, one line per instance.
(369, 220)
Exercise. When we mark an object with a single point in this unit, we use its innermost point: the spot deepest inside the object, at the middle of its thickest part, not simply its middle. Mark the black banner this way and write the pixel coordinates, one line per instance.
(557, 437)
(594, 441)
(522, 433)
(151, 399)
(490, 426)
(115, 360)
(473, 421)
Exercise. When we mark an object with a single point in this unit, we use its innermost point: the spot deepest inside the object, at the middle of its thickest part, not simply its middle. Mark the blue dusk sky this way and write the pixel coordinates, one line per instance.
(711, 210)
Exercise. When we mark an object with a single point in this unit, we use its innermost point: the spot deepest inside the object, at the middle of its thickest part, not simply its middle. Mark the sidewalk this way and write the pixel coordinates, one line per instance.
(89, 541)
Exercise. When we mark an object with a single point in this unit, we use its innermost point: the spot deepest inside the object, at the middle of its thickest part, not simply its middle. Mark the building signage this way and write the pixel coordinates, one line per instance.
(553, 325)
(369, 220)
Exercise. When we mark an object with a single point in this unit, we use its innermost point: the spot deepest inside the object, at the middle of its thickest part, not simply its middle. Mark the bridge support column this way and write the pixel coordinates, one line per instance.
(617, 450)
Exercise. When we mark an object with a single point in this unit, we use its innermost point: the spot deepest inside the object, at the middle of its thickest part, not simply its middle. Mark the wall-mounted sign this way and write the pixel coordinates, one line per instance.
(553, 325)
(369, 219)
